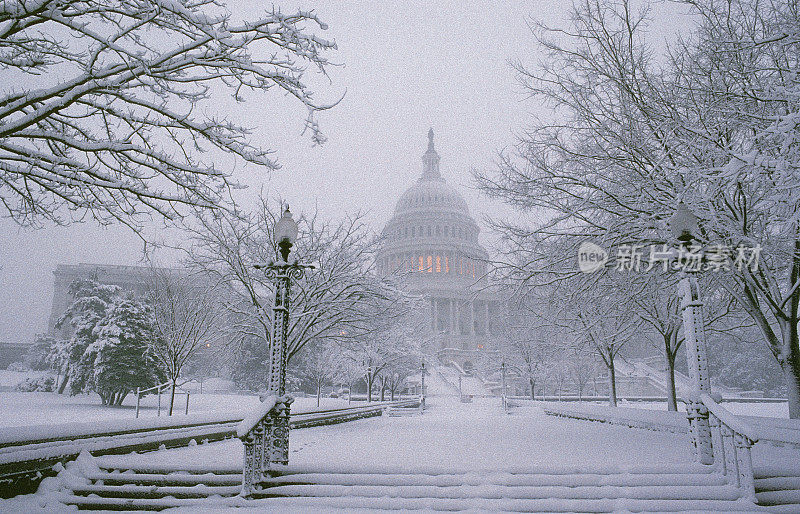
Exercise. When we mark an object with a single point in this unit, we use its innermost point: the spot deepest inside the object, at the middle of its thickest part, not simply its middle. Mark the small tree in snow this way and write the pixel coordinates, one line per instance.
(318, 364)
(186, 317)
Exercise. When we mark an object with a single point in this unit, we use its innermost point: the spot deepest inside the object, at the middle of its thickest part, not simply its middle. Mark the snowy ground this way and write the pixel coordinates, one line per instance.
(465, 437)
(20, 409)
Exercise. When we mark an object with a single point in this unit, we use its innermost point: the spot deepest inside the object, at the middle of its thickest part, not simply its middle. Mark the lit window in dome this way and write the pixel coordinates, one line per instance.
(438, 264)
(421, 263)
(446, 265)
(430, 264)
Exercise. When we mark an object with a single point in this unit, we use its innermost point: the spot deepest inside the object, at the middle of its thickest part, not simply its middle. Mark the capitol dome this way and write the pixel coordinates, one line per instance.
(432, 230)
(432, 242)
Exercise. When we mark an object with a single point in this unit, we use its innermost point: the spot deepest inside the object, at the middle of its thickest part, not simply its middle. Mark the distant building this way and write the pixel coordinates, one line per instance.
(433, 241)
(12, 352)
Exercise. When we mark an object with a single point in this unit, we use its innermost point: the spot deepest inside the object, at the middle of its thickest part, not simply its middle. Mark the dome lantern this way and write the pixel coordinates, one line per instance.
(430, 161)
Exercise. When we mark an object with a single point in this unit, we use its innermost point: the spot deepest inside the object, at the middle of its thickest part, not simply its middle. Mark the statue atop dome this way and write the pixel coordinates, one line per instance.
(430, 161)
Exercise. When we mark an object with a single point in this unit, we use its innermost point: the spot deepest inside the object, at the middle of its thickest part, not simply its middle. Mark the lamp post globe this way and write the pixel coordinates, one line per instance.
(683, 224)
(286, 233)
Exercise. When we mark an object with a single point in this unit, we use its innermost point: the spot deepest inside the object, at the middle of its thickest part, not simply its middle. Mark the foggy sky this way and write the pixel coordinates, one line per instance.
(405, 66)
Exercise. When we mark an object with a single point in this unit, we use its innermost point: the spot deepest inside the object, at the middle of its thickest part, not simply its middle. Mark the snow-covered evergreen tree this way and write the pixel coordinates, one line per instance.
(109, 351)
(120, 358)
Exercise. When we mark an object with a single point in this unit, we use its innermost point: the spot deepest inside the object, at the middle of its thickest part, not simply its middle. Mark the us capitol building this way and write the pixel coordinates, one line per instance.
(433, 241)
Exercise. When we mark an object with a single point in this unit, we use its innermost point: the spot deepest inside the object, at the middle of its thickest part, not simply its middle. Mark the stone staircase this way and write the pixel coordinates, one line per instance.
(777, 491)
(539, 490)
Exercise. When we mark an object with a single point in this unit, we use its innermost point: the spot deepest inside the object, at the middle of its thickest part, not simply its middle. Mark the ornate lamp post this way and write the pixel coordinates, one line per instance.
(268, 444)
(683, 225)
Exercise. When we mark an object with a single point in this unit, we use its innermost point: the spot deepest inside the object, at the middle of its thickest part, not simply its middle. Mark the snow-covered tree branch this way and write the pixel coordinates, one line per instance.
(106, 114)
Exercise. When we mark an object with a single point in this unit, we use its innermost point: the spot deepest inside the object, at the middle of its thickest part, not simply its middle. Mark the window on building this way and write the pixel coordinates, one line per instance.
(438, 264)
(446, 265)
(430, 264)
(421, 263)
(429, 232)
(438, 230)
(445, 230)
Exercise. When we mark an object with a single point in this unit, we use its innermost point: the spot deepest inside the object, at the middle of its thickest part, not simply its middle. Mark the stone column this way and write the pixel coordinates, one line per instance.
(488, 314)
(433, 314)
(458, 316)
(471, 309)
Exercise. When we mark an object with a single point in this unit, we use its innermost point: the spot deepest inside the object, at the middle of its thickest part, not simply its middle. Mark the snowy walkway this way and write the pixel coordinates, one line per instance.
(452, 434)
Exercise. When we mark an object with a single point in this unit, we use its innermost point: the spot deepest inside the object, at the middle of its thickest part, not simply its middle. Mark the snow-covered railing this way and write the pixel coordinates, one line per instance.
(660, 421)
(159, 388)
(264, 434)
(260, 432)
(731, 440)
(733, 436)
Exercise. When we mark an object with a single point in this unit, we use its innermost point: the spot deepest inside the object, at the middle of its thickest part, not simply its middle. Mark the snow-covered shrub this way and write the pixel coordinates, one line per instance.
(17, 366)
(44, 384)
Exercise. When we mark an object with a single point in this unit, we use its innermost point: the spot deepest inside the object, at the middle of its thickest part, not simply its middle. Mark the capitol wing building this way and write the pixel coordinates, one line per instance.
(433, 241)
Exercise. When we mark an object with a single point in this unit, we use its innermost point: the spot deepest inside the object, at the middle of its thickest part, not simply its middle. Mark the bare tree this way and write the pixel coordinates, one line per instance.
(187, 318)
(319, 364)
(528, 339)
(118, 121)
(631, 135)
(335, 297)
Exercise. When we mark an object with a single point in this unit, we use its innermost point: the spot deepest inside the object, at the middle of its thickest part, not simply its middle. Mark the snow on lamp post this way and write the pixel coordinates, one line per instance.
(684, 228)
(266, 444)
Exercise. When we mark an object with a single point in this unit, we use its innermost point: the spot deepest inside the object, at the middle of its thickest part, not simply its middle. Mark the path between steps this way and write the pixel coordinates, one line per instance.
(454, 435)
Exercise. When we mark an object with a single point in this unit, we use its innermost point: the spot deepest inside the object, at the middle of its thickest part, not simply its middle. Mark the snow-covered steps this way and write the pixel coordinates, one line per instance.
(404, 411)
(782, 493)
(538, 490)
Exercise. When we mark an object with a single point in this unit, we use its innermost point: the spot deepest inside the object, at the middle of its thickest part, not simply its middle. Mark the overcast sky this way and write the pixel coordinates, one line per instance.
(405, 66)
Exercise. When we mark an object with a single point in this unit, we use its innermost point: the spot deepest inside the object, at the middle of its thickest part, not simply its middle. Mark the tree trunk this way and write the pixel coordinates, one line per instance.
(319, 392)
(669, 356)
(791, 370)
(612, 381)
(64, 381)
(171, 398)
(349, 392)
(370, 379)
(532, 384)
(672, 399)
(383, 391)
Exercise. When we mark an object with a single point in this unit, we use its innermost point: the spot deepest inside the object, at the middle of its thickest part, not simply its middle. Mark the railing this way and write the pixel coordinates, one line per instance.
(732, 439)
(263, 433)
(161, 387)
